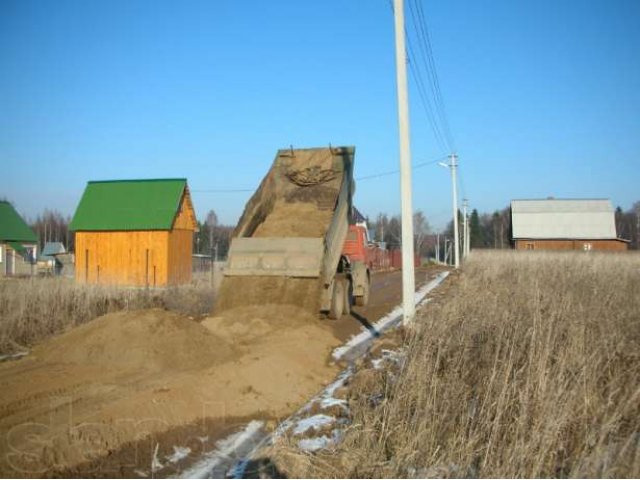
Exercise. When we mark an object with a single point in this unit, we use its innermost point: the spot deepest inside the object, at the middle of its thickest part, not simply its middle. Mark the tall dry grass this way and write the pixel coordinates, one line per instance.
(529, 368)
(33, 309)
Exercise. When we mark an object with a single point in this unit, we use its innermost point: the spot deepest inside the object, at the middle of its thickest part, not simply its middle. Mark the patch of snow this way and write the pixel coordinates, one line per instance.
(317, 443)
(178, 454)
(237, 446)
(377, 363)
(314, 444)
(13, 356)
(316, 422)
(387, 356)
(332, 402)
(141, 473)
(155, 462)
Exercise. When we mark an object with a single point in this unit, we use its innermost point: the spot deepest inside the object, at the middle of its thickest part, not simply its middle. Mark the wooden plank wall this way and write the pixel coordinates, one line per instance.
(181, 242)
(180, 250)
(120, 258)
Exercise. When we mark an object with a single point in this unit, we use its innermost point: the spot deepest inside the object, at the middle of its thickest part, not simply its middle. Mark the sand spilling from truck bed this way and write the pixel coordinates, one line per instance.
(246, 291)
(127, 375)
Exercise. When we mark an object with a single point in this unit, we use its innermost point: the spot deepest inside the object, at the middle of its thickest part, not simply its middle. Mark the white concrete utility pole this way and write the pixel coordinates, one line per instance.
(408, 281)
(453, 165)
(438, 248)
(465, 229)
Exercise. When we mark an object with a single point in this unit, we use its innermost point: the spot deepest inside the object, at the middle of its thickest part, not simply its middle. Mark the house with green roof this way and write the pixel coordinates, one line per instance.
(18, 243)
(134, 232)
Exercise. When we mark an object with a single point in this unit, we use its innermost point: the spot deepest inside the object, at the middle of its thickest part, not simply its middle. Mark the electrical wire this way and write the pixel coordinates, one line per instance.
(223, 190)
(422, 32)
(422, 90)
(394, 172)
(359, 179)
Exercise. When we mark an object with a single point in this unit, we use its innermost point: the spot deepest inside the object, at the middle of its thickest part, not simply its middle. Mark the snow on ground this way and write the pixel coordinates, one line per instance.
(358, 344)
(215, 464)
(178, 454)
(316, 422)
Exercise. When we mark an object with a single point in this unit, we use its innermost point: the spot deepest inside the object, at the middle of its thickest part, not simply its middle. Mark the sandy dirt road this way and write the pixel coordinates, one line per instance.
(108, 397)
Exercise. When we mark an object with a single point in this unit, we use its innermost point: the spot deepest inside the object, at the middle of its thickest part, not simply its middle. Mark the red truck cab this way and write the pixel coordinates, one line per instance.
(355, 245)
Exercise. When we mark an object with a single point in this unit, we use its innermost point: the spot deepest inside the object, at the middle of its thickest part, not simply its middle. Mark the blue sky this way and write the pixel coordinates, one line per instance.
(543, 98)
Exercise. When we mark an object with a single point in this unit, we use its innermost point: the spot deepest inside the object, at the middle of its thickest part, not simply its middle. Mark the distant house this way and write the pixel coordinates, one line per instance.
(134, 232)
(18, 243)
(48, 261)
(65, 264)
(559, 224)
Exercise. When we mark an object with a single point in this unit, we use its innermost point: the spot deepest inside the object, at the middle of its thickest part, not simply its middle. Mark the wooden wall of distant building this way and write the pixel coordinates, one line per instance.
(153, 258)
(582, 245)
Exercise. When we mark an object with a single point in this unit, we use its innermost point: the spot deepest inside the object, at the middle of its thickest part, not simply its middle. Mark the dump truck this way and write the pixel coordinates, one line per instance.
(289, 245)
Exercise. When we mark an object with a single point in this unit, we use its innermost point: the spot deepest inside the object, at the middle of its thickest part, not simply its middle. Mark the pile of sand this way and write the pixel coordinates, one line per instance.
(127, 375)
(143, 340)
(252, 324)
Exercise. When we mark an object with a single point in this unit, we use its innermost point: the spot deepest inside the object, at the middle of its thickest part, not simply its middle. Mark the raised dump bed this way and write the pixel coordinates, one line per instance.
(287, 247)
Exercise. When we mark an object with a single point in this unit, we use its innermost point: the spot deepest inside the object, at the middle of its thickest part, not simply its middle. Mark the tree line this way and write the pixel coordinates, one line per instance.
(628, 224)
(487, 230)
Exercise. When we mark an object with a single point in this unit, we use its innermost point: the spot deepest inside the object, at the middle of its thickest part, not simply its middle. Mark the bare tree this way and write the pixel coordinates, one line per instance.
(211, 222)
(421, 230)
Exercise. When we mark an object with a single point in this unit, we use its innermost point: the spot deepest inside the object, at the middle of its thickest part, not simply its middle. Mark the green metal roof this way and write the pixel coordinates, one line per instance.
(129, 205)
(12, 226)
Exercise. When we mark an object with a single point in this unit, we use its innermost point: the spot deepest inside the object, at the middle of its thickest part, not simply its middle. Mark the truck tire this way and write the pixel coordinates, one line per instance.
(348, 297)
(363, 300)
(337, 300)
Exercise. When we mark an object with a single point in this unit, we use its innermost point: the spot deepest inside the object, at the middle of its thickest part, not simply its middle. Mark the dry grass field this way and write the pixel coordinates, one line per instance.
(529, 367)
(33, 309)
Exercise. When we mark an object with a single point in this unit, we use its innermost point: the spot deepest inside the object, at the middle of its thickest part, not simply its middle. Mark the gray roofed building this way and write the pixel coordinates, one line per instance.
(50, 249)
(49, 261)
(582, 224)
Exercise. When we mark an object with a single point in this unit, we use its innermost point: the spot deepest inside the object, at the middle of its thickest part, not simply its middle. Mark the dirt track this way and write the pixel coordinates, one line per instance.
(84, 401)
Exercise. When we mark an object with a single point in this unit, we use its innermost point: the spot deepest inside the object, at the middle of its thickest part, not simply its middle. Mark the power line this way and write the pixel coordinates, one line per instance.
(434, 109)
(394, 172)
(424, 98)
(224, 190)
(424, 56)
(359, 179)
(422, 90)
(422, 31)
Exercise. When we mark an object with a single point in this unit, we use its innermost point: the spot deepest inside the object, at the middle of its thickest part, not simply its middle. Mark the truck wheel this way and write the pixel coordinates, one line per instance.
(348, 297)
(337, 300)
(363, 300)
